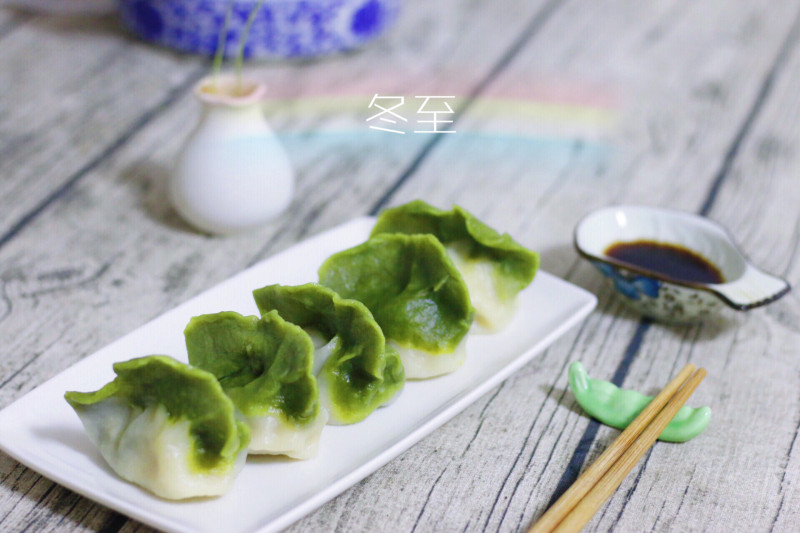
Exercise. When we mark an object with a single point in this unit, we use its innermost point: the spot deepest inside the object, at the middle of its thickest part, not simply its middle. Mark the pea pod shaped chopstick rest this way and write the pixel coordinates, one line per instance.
(617, 407)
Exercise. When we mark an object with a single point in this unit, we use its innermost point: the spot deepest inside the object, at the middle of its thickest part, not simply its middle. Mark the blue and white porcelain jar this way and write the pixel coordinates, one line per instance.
(281, 28)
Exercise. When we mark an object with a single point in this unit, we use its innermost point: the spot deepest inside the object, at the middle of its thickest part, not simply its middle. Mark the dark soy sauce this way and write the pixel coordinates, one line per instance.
(670, 260)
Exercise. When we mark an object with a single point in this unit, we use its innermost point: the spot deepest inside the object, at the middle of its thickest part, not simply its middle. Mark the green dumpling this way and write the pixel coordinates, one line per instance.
(494, 266)
(265, 366)
(415, 293)
(165, 426)
(355, 371)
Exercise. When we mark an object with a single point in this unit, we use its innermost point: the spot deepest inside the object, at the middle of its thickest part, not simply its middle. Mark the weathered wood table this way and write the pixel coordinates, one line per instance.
(560, 107)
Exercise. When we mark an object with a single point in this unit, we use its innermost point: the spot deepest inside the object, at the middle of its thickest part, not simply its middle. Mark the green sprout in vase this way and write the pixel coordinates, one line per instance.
(243, 38)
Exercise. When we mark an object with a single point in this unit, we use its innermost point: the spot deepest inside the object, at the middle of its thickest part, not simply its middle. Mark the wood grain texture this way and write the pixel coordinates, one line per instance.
(64, 117)
(98, 268)
(664, 173)
(573, 105)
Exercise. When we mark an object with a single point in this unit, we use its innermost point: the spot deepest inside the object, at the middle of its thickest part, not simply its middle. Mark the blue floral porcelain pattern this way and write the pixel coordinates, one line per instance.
(282, 28)
(659, 299)
(632, 286)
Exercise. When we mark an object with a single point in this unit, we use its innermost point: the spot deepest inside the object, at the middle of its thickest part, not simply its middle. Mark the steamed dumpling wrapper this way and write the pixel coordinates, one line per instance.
(165, 426)
(355, 370)
(494, 266)
(265, 366)
(415, 293)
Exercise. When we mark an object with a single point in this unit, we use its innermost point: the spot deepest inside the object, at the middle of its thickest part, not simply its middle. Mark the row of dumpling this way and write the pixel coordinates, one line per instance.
(397, 306)
(256, 385)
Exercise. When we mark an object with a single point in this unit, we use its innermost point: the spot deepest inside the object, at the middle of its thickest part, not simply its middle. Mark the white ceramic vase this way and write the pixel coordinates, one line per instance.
(232, 174)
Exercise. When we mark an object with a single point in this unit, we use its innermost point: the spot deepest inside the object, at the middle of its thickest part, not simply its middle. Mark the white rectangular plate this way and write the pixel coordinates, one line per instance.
(41, 430)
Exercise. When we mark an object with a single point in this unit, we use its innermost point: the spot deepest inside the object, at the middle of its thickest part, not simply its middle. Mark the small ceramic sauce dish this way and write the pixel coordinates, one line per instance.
(673, 266)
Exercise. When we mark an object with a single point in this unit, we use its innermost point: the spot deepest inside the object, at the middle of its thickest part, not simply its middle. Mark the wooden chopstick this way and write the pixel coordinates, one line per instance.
(626, 440)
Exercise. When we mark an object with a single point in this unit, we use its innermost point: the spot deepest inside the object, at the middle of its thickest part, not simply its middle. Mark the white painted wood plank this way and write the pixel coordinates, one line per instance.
(756, 368)
(752, 453)
(72, 88)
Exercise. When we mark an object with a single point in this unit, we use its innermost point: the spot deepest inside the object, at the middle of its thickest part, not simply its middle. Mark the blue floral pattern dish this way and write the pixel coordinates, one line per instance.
(628, 284)
(281, 28)
(657, 296)
(659, 299)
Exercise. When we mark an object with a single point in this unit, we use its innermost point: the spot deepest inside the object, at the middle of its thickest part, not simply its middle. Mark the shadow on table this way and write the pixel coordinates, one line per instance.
(563, 397)
(151, 179)
(71, 23)
(561, 260)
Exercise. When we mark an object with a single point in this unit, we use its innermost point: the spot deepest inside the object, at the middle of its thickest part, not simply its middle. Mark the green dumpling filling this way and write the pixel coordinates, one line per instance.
(357, 373)
(494, 266)
(165, 426)
(415, 293)
(265, 366)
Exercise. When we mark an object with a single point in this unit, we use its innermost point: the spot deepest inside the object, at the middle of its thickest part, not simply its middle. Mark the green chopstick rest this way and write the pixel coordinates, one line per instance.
(617, 407)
